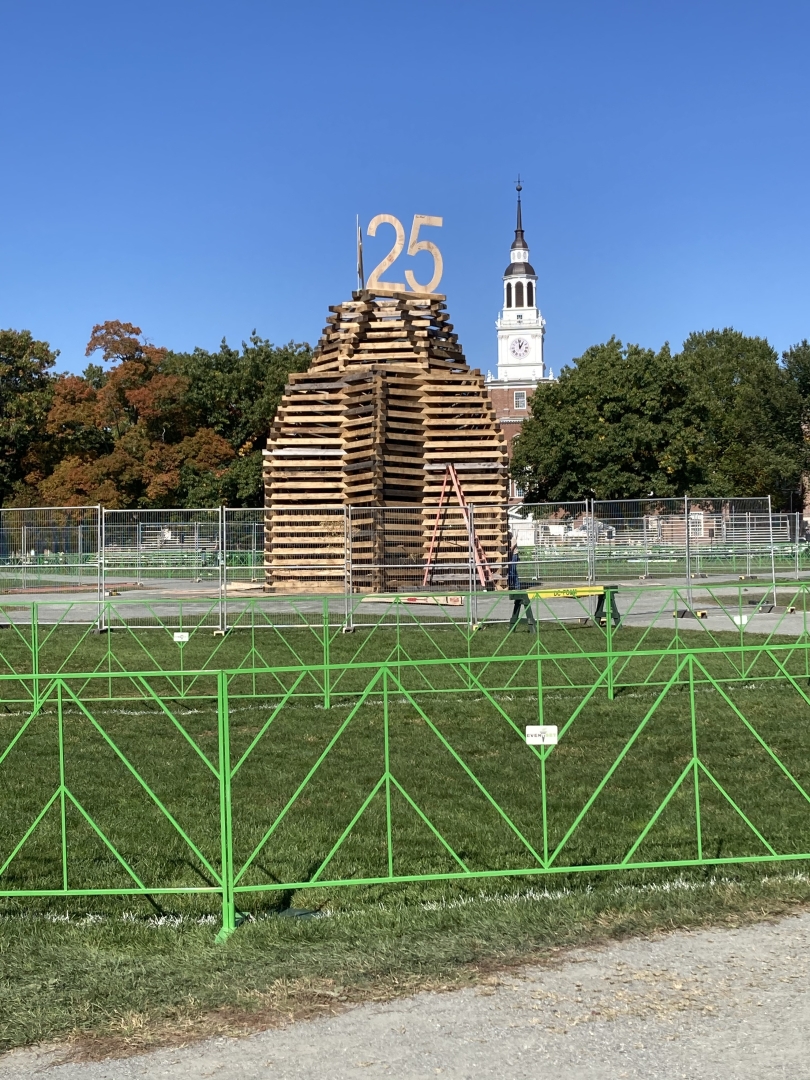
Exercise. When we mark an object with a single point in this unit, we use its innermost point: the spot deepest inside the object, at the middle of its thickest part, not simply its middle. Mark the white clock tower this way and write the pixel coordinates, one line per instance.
(520, 343)
(520, 326)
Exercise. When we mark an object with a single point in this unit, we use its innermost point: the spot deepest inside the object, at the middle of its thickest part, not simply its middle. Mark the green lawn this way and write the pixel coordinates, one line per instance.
(147, 968)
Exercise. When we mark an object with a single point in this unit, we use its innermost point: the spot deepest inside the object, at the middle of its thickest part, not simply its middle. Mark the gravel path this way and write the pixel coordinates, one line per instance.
(708, 1004)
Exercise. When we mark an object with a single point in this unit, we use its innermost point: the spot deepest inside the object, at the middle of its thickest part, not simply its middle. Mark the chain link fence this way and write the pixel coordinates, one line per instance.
(49, 549)
(181, 548)
(228, 554)
(688, 538)
(554, 541)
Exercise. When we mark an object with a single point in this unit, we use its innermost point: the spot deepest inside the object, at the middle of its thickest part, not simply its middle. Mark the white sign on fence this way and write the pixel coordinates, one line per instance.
(181, 636)
(541, 735)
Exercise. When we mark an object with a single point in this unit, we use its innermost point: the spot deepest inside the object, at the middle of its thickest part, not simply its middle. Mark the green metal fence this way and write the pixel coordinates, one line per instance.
(290, 757)
(270, 634)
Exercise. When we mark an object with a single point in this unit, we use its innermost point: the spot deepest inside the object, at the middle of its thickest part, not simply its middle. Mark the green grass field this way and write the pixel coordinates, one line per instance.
(141, 969)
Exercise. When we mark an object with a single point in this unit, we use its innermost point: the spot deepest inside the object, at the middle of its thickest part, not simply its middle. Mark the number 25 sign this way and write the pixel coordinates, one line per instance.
(415, 245)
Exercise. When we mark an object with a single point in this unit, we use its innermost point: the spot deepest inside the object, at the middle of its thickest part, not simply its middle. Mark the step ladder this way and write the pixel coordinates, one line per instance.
(481, 564)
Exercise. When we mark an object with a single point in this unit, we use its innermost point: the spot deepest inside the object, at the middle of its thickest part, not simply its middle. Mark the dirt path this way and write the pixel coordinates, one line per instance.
(707, 1004)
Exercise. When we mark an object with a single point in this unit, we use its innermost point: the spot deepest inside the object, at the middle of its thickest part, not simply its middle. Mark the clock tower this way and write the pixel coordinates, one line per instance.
(520, 325)
(521, 329)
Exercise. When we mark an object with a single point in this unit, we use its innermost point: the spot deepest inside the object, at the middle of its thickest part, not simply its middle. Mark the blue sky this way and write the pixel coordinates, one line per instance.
(196, 168)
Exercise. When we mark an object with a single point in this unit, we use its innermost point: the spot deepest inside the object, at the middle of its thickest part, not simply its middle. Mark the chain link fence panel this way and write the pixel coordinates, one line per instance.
(49, 549)
(173, 550)
(232, 554)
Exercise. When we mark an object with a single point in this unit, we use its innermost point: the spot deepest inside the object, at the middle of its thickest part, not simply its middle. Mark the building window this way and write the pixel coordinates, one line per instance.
(518, 491)
(519, 294)
(509, 294)
(520, 399)
(530, 295)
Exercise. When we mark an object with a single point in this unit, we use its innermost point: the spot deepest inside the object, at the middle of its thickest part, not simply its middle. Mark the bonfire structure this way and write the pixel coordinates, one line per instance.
(386, 468)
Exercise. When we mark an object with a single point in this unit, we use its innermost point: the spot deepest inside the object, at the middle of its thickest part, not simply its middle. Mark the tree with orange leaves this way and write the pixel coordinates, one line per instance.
(152, 428)
(126, 436)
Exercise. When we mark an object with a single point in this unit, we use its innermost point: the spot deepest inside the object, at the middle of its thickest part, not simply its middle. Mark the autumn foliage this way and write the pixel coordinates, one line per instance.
(151, 428)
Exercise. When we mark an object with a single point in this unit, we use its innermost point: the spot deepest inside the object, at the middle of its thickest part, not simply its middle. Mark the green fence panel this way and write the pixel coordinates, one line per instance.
(229, 772)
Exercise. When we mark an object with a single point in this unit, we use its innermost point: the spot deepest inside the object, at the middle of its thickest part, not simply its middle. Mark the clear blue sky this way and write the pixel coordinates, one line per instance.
(196, 168)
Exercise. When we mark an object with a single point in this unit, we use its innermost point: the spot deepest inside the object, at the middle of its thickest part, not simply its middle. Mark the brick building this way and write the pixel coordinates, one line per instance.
(521, 328)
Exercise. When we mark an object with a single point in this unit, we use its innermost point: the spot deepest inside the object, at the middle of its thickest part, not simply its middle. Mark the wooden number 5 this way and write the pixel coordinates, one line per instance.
(415, 246)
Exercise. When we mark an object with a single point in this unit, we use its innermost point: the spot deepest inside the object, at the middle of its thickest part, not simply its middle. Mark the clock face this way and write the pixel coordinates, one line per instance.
(519, 347)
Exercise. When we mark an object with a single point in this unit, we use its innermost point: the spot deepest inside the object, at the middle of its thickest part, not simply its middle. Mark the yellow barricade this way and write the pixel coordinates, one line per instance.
(579, 590)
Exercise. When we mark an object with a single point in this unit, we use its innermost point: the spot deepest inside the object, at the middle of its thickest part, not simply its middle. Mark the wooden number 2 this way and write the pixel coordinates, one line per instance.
(415, 245)
(393, 254)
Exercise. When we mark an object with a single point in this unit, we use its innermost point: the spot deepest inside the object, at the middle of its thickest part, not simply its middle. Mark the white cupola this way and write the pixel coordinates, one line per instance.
(520, 325)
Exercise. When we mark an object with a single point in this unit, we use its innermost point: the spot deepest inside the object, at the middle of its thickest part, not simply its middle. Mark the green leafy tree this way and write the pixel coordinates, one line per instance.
(26, 392)
(752, 440)
(797, 364)
(620, 423)
(722, 418)
(236, 394)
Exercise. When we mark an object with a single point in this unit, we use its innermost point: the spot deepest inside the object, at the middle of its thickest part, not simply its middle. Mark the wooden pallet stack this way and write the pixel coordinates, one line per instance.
(388, 402)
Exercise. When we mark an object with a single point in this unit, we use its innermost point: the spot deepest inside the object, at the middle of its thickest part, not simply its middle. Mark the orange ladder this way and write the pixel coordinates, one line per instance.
(481, 564)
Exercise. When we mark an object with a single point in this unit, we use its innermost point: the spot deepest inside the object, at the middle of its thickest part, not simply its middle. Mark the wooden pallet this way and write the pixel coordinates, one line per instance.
(386, 405)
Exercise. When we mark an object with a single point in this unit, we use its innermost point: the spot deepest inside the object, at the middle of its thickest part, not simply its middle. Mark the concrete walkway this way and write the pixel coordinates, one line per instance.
(724, 1004)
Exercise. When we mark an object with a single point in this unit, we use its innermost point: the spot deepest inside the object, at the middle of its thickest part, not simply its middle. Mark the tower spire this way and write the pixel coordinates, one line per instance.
(520, 241)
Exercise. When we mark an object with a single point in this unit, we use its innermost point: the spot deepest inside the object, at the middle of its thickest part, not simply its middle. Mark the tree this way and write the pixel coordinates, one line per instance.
(126, 435)
(797, 364)
(620, 423)
(152, 428)
(720, 418)
(26, 391)
(236, 394)
(752, 439)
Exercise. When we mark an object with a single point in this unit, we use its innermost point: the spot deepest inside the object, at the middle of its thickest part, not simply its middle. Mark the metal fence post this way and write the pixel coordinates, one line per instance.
(695, 759)
(223, 568)
(688, 552)
(609, 640)
(590, 541)
(102, 555)
(796, 534)
(225, 809)
(326, 695)
(770, 537)
(748, 543)
(35, 651)
(99, 556)
(472, 617)
(646, 548)
(348, 556)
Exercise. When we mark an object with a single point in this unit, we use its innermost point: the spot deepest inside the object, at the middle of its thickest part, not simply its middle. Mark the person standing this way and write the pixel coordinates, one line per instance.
(520, 599)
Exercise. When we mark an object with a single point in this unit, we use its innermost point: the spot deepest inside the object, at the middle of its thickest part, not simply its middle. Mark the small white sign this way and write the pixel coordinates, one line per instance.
(541, 735)
(740, 620)
(181, 636)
